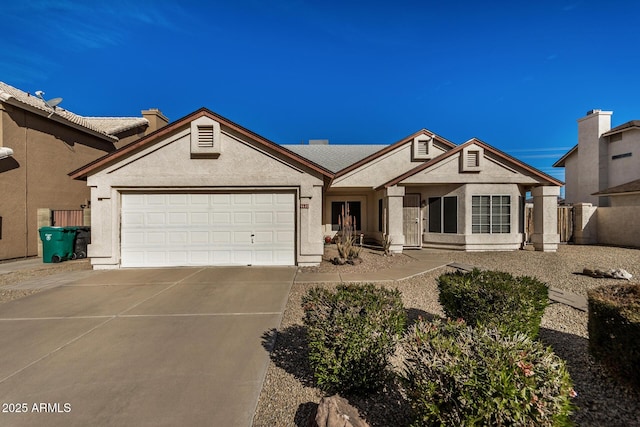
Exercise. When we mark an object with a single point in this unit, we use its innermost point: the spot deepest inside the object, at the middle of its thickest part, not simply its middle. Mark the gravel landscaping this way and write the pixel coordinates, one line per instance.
(289, 395)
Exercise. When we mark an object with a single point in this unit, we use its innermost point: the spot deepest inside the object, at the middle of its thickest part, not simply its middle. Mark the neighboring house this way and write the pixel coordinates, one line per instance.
(39, 146)
(605, 165)
(206, 191)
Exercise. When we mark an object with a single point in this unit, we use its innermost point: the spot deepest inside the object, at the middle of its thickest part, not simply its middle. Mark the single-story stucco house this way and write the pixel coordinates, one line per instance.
(204, 190)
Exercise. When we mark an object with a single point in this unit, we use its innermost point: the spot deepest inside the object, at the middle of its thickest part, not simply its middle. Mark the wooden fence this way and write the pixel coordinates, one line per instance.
(67, 218)
(565, 223)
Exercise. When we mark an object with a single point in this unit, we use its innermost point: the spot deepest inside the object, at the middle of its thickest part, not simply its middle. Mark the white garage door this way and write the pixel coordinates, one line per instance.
(162, 230)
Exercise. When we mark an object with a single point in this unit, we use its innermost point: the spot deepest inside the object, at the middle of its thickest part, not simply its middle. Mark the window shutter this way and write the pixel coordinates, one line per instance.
(205, 136)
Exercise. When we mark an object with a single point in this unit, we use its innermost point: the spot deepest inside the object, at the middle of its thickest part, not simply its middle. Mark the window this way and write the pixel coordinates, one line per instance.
(380, 214)
(620, 156)
(491, 214)
(443, 214)
(351, 208)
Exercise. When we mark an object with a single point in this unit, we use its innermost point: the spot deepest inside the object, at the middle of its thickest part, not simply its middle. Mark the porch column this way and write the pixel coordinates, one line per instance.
(310, 232)
(545, 218)
(394, 196)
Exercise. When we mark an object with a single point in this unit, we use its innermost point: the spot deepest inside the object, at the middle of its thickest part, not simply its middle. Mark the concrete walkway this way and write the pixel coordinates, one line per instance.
(425, 260)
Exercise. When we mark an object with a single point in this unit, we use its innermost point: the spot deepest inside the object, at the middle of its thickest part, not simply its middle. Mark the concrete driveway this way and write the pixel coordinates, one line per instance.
(141, 347)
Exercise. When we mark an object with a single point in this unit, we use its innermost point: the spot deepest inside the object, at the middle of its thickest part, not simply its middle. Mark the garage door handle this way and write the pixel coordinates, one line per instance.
(252, 236)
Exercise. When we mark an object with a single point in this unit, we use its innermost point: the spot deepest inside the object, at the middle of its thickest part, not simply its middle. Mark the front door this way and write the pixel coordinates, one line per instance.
(411, 220)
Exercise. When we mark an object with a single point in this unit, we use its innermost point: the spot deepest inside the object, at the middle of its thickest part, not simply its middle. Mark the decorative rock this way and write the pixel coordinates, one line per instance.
(335, 411)
(618, 273)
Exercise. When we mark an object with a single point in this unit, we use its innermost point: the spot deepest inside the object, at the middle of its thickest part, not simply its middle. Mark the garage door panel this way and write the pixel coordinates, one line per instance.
(178, 218)
(156, 200)
(241, 237)
(199, 218)
(263, 237)
(199, 237)
(242, 218)
(208, 229)
(242, 199)
(155, 218)
(284, 217)
(264, 217)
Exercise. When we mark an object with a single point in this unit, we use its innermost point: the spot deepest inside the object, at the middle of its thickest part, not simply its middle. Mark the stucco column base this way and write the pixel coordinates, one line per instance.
(545, 242)
(545, 218)
(585, 227)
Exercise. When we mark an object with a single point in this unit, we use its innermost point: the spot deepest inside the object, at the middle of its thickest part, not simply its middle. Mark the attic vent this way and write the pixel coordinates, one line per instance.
(473, 159)
(423, 148)
(206, 139)
(205, 136)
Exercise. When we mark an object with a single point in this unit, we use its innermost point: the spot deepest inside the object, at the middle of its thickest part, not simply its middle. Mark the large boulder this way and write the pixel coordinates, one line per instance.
(335, 411)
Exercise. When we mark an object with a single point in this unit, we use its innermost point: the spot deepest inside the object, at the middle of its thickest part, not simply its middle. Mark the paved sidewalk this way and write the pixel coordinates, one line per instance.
(425, 260)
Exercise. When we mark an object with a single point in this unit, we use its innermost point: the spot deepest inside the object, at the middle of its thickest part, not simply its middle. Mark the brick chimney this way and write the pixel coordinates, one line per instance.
(156, 119)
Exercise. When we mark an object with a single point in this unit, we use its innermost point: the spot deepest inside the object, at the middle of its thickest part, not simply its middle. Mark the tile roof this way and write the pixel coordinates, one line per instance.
(116, 125)
(105, 126)
(334, 157)
(629, 187)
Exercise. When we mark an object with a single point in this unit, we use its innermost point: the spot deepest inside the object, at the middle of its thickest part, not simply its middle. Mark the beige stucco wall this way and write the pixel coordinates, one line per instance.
(493, 170)
(168, 165)
(36, 175)
(624, 169)
(383, 169)
(610, 231)
(465, 239)
(592, 156)
(571, 177)
(625, 200)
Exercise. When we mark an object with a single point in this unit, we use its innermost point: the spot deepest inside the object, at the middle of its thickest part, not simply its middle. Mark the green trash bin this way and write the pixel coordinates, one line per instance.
(57, 243)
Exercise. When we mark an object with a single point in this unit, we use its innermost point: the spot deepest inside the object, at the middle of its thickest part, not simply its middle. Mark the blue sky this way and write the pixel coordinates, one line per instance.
(516, 75)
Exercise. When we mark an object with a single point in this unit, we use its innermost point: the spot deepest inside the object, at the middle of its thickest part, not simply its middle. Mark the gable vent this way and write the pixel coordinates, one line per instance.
(205, 136)
(473, 159)
(423, 148)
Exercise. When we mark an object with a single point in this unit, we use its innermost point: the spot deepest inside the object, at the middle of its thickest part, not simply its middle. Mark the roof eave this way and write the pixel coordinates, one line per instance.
(88, 169)
(459, 148)
(561, 161)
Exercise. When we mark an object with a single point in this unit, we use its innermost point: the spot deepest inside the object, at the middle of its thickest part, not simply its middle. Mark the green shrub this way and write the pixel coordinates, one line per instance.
(352, 332)
(493, 298)
(456, 375)
(614, 329)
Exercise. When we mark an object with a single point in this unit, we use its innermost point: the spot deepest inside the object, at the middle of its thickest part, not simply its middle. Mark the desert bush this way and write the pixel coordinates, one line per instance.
(456, 375)
(614, 329)
(352, 332)
(493, 298)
